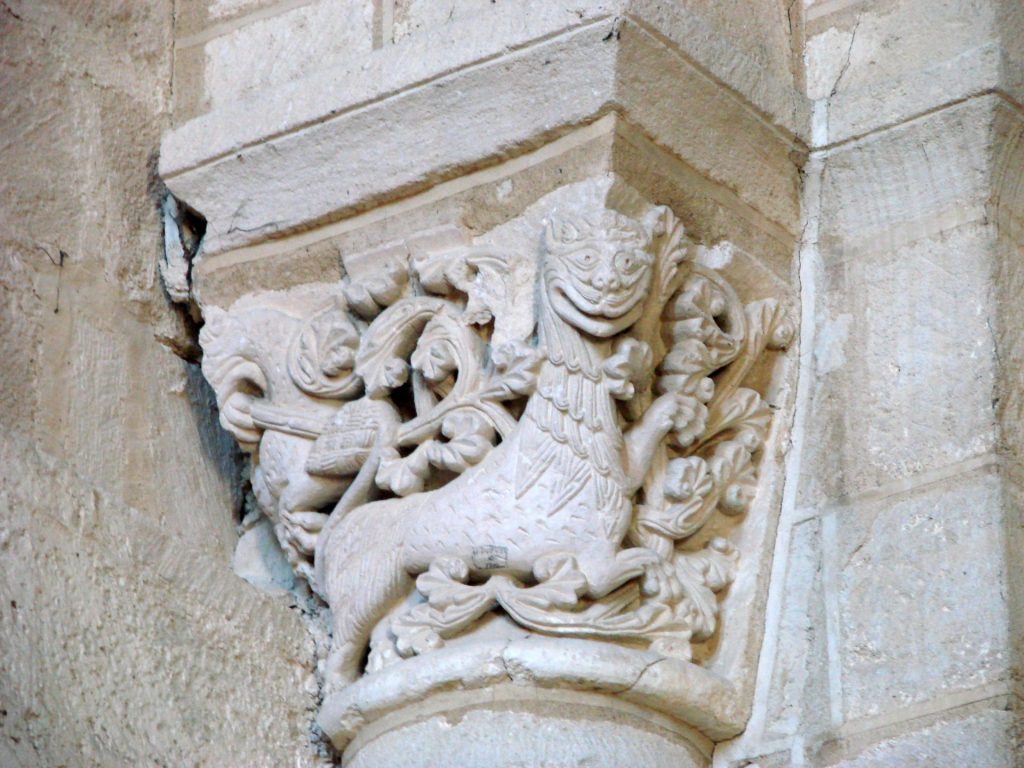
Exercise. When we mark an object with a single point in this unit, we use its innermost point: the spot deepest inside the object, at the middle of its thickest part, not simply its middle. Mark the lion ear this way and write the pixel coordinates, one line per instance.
(550, 235)
(559, 231)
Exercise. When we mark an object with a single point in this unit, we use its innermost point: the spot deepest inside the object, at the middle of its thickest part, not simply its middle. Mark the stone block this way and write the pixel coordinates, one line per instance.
(196, 21)
(986, 739)
(262, 53)
(915, 180)
(876, 64)
(1010, 24)
(556, 732)
(766, 180)
(921, 595)
(1008, 208)
(469, 119)
(744, 42)
(84, 376)
(122, 645)
(798, 700)
(423, 17)
(23, 310)
(133, 404)
(987, 735)
(905, 367)
(193, 18)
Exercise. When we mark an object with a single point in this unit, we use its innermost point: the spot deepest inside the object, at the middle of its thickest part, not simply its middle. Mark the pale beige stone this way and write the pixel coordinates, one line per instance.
(884, 317)
(124, 637)
(990, 738)
(942, 163)
(543, 731)
(304, 381)
(921, 609)
(883, 135)
(461, 116)
(121, 642)
(875, 64)
(263, 53)
(800, 695)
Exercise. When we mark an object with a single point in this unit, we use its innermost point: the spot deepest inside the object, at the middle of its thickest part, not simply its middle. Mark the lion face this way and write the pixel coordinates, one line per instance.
(597, 276)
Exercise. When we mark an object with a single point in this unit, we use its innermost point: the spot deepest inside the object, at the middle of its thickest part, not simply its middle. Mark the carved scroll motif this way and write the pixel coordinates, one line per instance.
(544, 434)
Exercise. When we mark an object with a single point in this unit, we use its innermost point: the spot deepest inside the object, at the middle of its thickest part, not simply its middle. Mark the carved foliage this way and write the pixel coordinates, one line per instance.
(627, 378)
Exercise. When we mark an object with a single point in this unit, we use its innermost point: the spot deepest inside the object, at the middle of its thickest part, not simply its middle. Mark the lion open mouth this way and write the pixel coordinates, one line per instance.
(610, 314)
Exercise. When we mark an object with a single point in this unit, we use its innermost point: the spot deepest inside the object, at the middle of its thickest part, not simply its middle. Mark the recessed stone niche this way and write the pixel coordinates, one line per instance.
(522, 434)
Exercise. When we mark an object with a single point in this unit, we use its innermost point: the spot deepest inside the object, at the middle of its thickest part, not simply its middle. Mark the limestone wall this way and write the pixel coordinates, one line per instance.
(869, 150)
(893, 629)
(126, 639)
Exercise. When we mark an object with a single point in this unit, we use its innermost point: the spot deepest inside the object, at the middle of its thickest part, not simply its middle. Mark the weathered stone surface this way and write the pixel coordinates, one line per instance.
(799, 694)
(124, 637)
(988, 739)
(317, 134)
(879, 64)
(546, 729)
(388, 71)
(922, 606)
(80, 351)
(258, 559)
(904, 364)
(942, 162)
(122, 644)
(606, 62)
(264, 52)
(984, 736)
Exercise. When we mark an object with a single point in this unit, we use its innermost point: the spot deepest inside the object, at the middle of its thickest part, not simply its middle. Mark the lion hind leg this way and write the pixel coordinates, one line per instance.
(369, 587)
(606, 573)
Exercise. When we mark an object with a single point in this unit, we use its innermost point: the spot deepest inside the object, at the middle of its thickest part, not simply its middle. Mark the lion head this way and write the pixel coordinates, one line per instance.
(597, 273)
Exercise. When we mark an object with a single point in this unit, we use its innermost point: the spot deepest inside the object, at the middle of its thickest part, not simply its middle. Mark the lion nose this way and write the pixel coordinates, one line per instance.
(606, 280)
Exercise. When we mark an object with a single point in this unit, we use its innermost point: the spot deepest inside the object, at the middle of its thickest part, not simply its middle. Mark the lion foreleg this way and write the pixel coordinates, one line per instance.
(644, 437)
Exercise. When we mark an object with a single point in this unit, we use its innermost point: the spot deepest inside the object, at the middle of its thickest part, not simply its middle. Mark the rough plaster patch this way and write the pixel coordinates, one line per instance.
(829, 344)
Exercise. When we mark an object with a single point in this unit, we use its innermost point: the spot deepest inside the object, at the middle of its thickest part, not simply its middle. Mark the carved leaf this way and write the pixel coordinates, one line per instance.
(322, 356)
(689, 422)
(704, 327)
(560, 582)
(435, 361)
(360, 301)
(687, 478)
(431, 269)
(770, 324)
(734, 476)
(689, 484)
(674, 250)
(516, 365)
(742, 412)
(451, 606)
(685, 369)
(386, 345)
(368, 297)
(702, 574)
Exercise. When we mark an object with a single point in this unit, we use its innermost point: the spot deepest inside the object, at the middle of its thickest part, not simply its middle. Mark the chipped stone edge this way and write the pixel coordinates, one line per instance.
(679, 689)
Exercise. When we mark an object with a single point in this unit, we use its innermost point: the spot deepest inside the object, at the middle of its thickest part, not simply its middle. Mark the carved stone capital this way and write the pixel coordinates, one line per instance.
(514, 459)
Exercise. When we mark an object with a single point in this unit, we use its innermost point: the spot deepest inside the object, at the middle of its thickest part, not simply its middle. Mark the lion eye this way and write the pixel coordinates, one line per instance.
(585, 258)
(626, 261)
